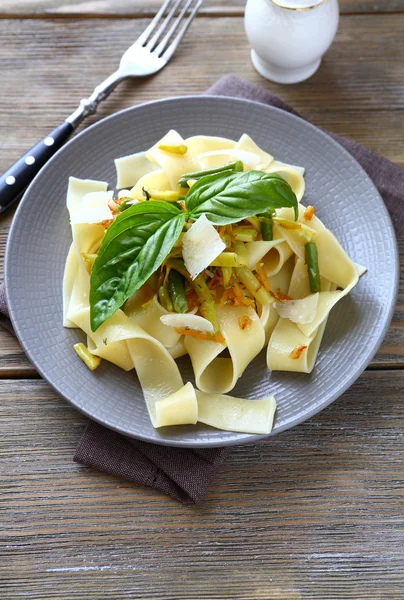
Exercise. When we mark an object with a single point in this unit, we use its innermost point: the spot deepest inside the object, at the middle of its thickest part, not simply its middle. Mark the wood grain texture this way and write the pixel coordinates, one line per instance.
(352, 81)
(314, 513)
(130, 8)
(48, 65)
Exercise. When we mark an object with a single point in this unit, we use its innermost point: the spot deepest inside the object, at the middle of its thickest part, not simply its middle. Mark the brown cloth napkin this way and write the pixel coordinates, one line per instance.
(184, 474)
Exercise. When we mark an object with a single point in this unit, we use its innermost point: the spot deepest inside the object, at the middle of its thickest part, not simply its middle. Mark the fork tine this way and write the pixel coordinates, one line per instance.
(164, 42)
(143, 37)
(177, 40)
(152, 43)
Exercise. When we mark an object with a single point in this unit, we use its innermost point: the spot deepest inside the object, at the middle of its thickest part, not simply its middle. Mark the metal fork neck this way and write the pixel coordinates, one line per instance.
(88, 106)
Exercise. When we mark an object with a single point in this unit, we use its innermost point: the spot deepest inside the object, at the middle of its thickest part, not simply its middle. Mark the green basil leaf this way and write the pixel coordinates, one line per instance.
(229, 198)
(133, 248)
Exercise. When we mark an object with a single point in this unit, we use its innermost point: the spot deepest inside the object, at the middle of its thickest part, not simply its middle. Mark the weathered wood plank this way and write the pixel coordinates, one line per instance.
(314, 513)
(128, 8)
(39, 92)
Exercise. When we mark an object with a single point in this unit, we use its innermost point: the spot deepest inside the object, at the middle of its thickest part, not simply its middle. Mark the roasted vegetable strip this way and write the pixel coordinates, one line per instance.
(207, 306)
(199, 335)
(253, 285)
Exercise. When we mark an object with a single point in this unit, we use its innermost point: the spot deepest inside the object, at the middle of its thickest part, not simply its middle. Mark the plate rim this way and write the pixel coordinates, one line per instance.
(248, 437)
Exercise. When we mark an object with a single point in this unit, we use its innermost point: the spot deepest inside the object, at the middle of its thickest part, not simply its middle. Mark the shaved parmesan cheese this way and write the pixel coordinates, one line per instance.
(181, 408)
(299, 311)
(129, 169)
(187, 321)
(218, 158)
(93, 209)
(78, 188)
(200, 246)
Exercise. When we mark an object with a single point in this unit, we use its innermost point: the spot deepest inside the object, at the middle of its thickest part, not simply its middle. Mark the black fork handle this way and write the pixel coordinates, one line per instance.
(14, 181)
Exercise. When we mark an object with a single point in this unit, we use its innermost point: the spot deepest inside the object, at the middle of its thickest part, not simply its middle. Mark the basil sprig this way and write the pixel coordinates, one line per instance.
(142, 236)
(231, 198)
(133, 248)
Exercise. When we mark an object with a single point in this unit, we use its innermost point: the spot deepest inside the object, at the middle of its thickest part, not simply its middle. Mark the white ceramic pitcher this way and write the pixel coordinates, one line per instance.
(289, 37)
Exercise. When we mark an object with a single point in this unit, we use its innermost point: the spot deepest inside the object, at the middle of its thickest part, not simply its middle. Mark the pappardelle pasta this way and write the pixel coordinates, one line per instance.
(205, 250)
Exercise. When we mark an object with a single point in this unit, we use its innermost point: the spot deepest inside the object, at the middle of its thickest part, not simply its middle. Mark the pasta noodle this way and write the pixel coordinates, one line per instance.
(219, 291)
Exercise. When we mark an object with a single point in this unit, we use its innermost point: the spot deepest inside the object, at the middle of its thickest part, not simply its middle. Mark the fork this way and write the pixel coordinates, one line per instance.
(149, 54)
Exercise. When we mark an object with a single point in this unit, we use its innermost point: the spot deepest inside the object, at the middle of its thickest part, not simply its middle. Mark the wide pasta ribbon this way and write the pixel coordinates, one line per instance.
(215, 374)
(294, 346)
(138, 342)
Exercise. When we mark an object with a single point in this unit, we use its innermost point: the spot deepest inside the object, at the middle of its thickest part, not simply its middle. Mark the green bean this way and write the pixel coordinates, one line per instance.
(207, 306)
(312, 267)
(253, 285)
(177, 291)
(266, 230)
(266, 226)
(125, 203)
(232, 167)
(165, 299)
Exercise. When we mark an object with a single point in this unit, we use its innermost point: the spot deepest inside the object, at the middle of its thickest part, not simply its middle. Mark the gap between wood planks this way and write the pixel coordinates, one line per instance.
(207, 13)
(30, 374)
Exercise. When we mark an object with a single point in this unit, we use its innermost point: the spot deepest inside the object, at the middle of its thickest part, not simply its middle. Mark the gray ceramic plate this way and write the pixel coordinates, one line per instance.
(344, 197)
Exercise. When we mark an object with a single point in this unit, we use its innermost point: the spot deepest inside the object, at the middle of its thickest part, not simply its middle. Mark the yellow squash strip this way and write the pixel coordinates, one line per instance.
(253, 285)
(226, 259)
(91, 361)
(166, 196)
(173, 148)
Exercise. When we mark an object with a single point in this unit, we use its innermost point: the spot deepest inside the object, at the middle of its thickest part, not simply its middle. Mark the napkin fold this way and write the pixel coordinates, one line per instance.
(182, 473)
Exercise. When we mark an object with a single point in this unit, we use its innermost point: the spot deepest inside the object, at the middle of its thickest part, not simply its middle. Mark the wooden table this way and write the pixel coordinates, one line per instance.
(314, 513)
